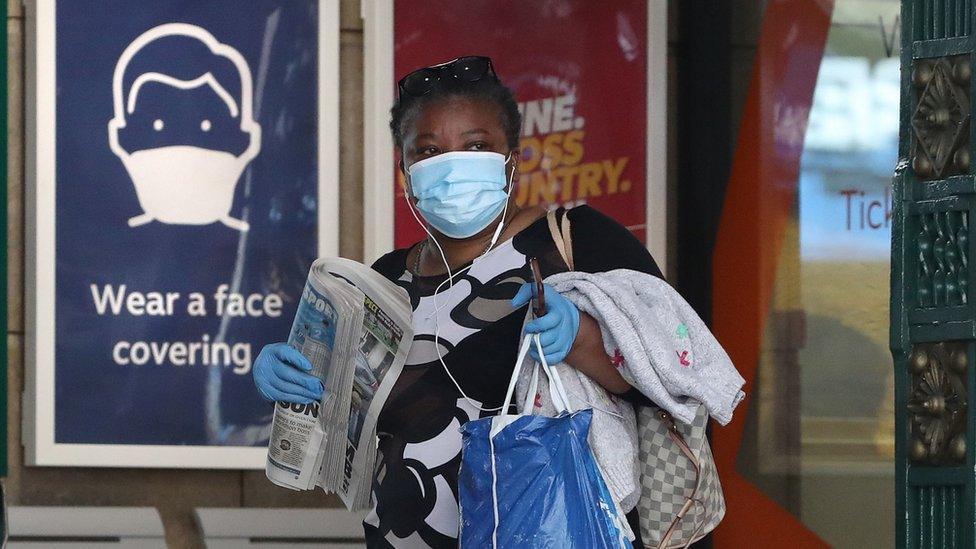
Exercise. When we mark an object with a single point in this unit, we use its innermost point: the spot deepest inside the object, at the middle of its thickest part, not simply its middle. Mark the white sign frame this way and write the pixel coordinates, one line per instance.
(378, 178)
(38, 398)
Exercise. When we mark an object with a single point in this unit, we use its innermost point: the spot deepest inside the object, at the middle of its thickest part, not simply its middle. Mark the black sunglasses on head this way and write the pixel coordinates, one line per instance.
(463, 70)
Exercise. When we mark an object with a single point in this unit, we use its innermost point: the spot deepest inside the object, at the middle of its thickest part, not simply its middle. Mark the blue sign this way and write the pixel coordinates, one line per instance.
(188, 184)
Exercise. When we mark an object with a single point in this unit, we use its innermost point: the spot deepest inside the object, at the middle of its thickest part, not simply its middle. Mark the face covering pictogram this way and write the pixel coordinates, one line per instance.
(176, 129)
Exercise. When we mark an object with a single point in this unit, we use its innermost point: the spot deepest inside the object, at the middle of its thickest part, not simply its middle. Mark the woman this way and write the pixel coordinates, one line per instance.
(456, 129)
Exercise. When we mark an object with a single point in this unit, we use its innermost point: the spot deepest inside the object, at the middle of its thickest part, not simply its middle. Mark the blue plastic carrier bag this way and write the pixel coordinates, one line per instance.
(532, 481)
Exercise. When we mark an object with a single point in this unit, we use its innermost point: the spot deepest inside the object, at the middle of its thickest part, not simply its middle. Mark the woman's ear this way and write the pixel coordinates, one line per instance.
(399, 158)
(516, 159)
(408, 192)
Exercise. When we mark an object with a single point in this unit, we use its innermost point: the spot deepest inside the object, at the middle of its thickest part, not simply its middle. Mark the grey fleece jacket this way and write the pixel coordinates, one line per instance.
(662, 347)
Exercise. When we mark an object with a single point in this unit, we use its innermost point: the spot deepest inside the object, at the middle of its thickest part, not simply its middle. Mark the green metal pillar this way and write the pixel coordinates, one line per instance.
(933, 321)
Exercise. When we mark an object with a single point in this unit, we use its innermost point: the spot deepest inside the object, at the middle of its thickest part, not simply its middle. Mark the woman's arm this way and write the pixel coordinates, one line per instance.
(569, 335)
(601, 244)
(588, 356)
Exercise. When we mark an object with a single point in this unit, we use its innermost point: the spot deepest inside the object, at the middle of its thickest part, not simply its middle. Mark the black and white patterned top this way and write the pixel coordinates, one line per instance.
(415, 490)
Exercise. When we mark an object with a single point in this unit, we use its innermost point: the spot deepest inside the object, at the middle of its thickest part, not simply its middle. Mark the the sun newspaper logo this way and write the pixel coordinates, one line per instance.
(310, 409)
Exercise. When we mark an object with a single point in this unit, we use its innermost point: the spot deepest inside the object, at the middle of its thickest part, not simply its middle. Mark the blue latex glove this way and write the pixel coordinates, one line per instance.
(557, 329)
(279, 373)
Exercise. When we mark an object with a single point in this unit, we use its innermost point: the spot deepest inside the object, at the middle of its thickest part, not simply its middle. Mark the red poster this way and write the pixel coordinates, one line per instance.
(578, 69)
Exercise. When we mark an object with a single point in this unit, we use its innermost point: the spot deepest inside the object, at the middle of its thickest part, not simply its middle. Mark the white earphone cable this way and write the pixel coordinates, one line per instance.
(450, 280)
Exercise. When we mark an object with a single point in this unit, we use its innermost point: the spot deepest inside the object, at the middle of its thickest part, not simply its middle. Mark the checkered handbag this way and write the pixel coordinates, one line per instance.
(681, 498)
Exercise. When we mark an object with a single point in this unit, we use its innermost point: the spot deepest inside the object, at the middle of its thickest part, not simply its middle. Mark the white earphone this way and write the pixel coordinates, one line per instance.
(450, 281)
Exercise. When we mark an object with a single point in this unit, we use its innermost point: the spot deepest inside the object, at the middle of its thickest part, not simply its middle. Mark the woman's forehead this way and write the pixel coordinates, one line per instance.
(458, 114)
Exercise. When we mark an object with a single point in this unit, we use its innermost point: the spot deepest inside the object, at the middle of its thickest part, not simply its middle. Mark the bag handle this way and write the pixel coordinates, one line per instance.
(562, 237)
(558, 392)
(679, 441)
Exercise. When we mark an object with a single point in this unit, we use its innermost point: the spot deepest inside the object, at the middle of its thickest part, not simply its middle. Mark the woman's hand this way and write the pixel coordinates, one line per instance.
(557, 329)
(572, 337)
(279, 374)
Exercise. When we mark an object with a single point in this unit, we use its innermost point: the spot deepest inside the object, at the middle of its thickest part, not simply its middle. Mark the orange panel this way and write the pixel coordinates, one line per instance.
(758, 203)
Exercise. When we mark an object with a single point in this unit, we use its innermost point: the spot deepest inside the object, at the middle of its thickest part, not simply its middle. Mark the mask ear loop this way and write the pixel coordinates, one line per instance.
(508, 198)
(450, 279)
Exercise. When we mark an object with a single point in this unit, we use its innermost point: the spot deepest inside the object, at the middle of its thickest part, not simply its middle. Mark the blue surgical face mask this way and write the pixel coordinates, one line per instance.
(460, 193)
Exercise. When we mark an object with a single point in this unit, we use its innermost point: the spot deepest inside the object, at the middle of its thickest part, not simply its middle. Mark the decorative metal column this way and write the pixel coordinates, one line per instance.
(933, 321)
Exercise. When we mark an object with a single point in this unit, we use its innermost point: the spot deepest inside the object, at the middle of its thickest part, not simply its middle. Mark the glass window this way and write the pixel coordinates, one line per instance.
(820, 434)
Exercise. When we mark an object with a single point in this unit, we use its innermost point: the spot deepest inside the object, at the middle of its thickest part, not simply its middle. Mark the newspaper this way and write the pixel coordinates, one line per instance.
(354, 327)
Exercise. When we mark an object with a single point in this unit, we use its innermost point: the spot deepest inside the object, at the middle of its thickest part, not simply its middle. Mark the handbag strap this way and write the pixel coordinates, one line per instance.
(679, 441)
(562, 237)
